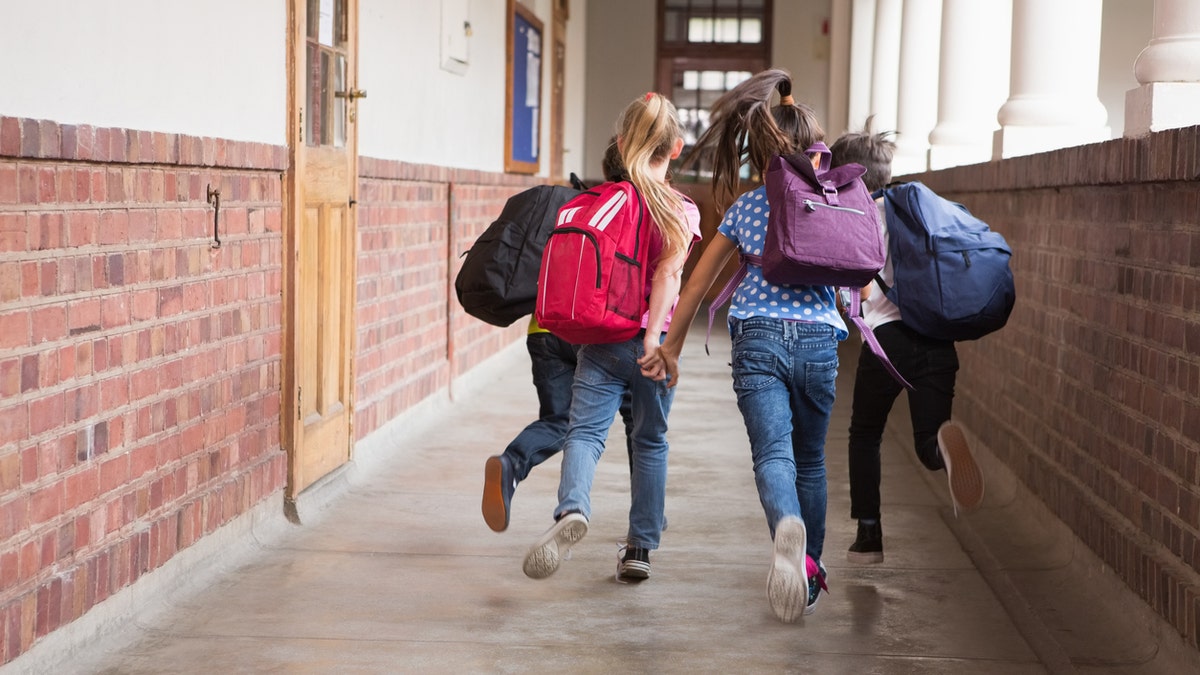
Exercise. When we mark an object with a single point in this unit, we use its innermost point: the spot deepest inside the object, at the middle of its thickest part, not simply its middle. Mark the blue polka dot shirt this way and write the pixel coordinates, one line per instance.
(745, 224)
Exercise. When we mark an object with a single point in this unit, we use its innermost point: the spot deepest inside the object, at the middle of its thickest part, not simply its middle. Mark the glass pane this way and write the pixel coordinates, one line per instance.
(726, 30)
(735, 77)
(700, 30)
(313, 15)
(751, 31)
(326, 125)
(324, 22)
(691, 79)
(312, 120)
(712, 79)
(339, 103)
(674, 24)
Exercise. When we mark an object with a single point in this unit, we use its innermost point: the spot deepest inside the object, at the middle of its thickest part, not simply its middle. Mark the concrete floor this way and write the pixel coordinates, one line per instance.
(396, 572)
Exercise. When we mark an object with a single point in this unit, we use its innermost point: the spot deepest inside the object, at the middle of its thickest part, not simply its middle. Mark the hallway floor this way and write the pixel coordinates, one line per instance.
(399, 573)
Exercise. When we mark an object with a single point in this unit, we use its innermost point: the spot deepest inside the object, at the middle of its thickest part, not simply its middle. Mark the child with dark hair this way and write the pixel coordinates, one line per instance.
(929, 365)
(648, 138)
(784, 337)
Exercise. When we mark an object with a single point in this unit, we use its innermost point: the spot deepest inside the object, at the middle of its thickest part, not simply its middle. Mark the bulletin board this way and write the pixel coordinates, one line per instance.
(523, 91)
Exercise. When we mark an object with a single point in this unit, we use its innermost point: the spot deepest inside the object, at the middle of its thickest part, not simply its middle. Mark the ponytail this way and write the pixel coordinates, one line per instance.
(745, 128)
(649, 129)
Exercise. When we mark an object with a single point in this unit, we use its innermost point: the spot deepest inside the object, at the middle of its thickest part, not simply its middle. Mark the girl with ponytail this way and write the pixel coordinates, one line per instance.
(784, 337)
(649, 136)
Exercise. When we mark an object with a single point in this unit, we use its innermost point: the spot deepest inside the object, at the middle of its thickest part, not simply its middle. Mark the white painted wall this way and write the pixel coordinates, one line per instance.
(574, 133)
(620, 67)
(800, 46)
(215, 68)
(417, 112)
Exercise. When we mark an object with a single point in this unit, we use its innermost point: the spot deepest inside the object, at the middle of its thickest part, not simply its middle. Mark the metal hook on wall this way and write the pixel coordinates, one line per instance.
(214, 198)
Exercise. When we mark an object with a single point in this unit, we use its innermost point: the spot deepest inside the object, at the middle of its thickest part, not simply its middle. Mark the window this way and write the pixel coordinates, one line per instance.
(706, 48)
(326, 67)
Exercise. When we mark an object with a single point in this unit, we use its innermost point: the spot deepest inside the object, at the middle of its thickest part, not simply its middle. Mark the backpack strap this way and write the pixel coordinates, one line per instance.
(855, 314)
(821, 149)
(727, 291)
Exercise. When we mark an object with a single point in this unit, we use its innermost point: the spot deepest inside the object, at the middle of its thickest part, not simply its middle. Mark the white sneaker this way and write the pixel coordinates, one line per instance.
(966, 481)
(543, 559)
(787, 582)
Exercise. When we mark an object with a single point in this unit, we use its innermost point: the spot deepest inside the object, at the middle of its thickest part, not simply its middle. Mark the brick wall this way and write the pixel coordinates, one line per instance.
(413, 337)
(139, 366)
(1091, 393)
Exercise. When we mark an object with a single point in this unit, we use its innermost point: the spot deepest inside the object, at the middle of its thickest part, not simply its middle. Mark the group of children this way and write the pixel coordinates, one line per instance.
(784, 360)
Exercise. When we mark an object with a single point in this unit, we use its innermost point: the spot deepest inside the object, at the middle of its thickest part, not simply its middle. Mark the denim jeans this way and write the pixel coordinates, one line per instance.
(605, 373)
(553, 360)
(931, 366)
(784, 374)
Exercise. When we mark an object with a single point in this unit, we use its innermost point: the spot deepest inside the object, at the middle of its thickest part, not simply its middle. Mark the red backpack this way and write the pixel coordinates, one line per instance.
(592, 282)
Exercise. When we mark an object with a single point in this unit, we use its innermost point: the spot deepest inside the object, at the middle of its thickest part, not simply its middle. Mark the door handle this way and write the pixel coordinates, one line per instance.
(352, 94)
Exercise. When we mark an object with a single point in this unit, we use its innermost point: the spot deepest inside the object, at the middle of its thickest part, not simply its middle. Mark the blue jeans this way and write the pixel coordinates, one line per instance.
(553, 360)
(784, 374)
(605, 373)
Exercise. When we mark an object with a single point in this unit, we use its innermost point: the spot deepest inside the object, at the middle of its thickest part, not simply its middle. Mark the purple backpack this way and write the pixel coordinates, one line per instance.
(823, 228)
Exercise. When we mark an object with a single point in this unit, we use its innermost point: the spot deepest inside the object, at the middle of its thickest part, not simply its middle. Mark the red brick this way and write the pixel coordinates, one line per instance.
(45, 504)
(47, 186)
(14, 329)
(14, 236)
(46, 413)
(81, 227)
(114, 310)
(9, 194)
(49, 283)
(113, 474)
(83, 316)
(49, 323)
(10, 136)
(10, 281)
(27, 184)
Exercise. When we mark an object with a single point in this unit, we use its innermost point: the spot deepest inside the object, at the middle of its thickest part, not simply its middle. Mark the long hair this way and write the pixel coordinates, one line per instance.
(648, 129)
(745, 128)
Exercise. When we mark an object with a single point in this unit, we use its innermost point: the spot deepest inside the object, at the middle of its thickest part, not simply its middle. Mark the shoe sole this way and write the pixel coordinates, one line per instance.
(635, 569)
(966, 481)
(865, 558)
(787, 583)
(546, 555)
(494, 513)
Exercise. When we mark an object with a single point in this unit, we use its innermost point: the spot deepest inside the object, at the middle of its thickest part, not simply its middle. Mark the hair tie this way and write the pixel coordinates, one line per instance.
(787, 100)
(649, 95)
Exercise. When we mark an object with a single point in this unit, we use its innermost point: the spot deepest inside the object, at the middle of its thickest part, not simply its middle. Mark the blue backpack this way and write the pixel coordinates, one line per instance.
(951, 278)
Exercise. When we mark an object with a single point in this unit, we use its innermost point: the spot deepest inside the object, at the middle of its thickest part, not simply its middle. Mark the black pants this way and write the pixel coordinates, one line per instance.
(931, 367)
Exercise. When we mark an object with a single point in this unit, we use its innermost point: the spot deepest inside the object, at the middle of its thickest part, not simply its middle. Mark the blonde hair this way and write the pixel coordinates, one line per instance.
(649, 128)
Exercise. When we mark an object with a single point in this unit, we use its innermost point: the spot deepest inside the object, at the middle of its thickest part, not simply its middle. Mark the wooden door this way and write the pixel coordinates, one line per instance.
(320, 240)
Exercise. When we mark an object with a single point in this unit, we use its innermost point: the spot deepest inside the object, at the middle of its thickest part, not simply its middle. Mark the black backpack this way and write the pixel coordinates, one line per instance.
(498, 279)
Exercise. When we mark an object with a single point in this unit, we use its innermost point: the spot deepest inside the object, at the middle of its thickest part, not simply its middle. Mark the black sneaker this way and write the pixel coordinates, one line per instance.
(868, 545)
(816, 583)
(635, 564)
(498, 487)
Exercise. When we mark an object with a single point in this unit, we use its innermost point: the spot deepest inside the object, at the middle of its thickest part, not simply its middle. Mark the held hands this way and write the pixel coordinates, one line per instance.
(661, 363)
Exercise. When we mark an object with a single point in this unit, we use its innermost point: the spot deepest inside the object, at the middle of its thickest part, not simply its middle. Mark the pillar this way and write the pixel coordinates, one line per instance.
(916, 112)
(1053, 101)
(862, 55)
(973, 80)
(1168, 70)
(885, 64)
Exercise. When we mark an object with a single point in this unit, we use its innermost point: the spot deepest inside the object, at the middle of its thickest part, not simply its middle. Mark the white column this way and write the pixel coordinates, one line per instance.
(839, 68)
(885, 64)
(973, 81)
(862, 54)
(1169, 72)
(1053, 101)
(916, 114)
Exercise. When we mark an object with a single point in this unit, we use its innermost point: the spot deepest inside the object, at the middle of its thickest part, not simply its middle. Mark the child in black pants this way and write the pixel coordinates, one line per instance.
(929, 365)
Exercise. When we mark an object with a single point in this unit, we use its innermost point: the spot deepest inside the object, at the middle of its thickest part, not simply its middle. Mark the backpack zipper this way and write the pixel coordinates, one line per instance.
(810, 206)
